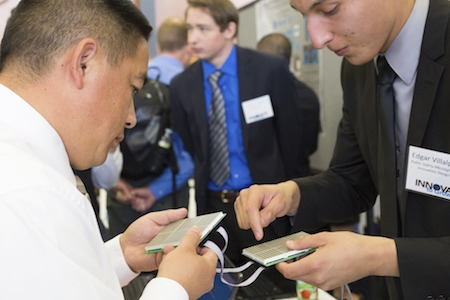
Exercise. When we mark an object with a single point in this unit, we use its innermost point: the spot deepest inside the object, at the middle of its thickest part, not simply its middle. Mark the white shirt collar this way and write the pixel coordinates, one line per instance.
(403, 54)
(40, 136)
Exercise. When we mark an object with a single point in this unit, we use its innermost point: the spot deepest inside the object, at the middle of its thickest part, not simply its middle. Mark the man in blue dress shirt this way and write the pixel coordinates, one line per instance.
(263, 126)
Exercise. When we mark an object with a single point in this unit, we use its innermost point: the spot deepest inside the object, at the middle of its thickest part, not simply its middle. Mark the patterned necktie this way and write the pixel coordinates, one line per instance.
(387, 159)
(219, 167)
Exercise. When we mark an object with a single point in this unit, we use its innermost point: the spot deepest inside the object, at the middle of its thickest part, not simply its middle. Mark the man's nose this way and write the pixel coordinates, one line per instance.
(318, 32)
(131, 119)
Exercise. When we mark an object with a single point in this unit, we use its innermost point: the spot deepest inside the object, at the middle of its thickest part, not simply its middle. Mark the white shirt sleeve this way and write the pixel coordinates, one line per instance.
(158, 288)
(123, 271)
(164, 289)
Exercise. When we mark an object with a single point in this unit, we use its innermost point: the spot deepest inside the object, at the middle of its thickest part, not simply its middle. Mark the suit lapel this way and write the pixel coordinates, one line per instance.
(429, 73)
(246, 87)
(246, 79)
(196, 96)
(427, 83)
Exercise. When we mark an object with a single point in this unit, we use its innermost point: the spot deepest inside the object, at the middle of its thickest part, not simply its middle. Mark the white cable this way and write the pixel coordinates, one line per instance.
(347, 288)
(349, 292)
(222, 270)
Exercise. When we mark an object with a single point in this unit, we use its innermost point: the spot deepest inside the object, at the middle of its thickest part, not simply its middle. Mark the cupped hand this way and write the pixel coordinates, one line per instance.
(341, 258)
(140, 232)
(142, 199)
(122, 191)
(192, 267)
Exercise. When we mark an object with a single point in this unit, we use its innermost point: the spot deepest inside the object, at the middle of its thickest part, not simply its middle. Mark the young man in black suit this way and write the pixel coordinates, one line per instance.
(414, 38)
(263, 128)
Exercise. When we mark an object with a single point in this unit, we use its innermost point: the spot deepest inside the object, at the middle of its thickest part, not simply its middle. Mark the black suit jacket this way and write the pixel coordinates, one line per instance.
(419, 224)
(271, 145)
(310, 112)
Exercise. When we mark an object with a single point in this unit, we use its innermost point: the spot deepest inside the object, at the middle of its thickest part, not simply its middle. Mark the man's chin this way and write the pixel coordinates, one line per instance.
(358, 60)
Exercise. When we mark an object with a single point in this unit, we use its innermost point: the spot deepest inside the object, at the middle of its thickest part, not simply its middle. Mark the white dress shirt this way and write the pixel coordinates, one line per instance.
(51, 246)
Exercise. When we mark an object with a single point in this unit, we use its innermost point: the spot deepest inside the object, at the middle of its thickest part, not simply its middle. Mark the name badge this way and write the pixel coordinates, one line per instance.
(428, 172)
(257, 109)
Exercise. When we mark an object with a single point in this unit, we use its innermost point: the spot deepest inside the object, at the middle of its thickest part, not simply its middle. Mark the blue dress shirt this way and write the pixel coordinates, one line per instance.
(240, 176)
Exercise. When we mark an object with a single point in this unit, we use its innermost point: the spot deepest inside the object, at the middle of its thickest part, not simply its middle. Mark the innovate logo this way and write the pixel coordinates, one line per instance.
(436, 189)
(428, 172)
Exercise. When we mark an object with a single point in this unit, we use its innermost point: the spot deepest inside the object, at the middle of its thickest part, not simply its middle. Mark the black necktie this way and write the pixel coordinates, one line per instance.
(219, 167)
(387, 159)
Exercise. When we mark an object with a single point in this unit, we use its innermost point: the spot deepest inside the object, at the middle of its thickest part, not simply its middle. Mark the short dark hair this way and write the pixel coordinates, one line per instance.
(222, 11)
(276, 43)
(172, 34)
(40, 30)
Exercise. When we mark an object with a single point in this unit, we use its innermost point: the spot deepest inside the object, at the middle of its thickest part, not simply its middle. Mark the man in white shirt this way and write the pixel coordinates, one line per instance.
(68, 71)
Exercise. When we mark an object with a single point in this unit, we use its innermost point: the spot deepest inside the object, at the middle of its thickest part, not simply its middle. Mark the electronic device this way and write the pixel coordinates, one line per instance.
(275, 251)
(174, 232)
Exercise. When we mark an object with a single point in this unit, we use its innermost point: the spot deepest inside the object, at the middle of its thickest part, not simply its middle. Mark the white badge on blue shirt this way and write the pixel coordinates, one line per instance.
(257, 109)
(428, 172)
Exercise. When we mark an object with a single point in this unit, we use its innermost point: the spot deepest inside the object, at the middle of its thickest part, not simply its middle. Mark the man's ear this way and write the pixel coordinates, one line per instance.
(81, 60)
(230, 31)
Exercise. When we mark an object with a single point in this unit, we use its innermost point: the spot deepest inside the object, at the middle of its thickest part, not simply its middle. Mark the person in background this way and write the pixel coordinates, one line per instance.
(174, 52)
(395, 76)
(278, 44)
(66, 95)
(139, 191)
(106, 175)
(259, 130)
